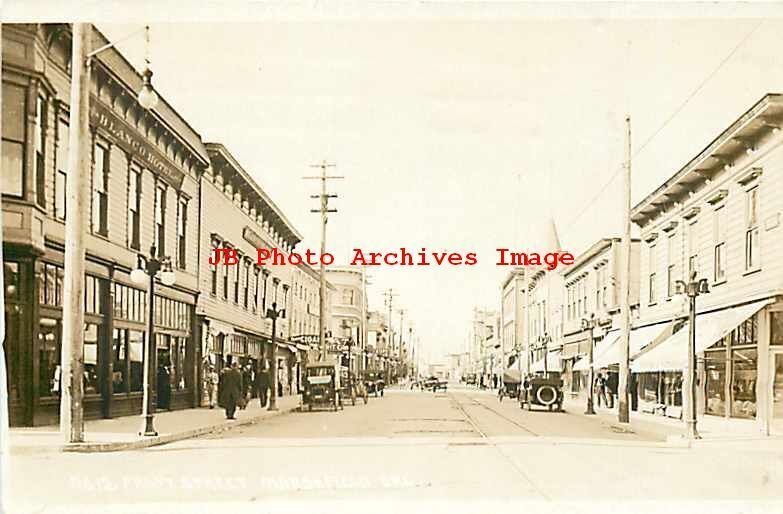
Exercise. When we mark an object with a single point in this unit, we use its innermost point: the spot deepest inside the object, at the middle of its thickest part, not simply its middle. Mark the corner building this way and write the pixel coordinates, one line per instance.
(144, 187)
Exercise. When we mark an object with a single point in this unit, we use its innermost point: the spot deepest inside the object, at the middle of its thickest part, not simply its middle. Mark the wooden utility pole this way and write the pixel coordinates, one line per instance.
(399, 350)
(77, 198)
(390, 294)
(623, 415)
(324, 210)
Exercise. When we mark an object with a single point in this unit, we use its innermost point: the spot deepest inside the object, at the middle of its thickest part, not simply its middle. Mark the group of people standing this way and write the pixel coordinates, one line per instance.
(234, 387)
(605, 389)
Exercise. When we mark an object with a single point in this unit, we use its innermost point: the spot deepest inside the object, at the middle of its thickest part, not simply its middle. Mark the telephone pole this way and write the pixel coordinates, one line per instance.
(389, 295)
(324, 210)
(72, 357)
(399, 350)
(623, 415)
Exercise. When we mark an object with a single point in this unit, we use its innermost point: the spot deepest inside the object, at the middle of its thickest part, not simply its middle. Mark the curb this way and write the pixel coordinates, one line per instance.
(170, 438)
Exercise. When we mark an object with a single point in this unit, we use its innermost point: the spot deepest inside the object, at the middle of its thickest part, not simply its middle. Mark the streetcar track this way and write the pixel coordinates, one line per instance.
(502, 416)
(489, 442)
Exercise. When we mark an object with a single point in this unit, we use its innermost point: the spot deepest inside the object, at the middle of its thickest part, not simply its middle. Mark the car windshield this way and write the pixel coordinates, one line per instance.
(320, 372)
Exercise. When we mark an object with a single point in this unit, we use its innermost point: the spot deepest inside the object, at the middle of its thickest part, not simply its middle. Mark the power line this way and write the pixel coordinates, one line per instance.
(667, 121)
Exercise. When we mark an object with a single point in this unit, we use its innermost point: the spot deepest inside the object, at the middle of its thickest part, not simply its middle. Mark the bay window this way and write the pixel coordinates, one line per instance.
(13, 140)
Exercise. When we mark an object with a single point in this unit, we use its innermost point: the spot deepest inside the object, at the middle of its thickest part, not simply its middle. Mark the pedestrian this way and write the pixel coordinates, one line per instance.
(247, 382)
(634, 387)
(232, 389)
(598, 389)
(164, 387)
(262, 385)
(494, 381)
(611, 388)
(212, 386)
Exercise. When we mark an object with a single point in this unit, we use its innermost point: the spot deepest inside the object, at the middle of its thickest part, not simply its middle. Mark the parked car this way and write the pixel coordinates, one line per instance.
(470, 379)
(322, 386)
(373, 383)
(544, 391)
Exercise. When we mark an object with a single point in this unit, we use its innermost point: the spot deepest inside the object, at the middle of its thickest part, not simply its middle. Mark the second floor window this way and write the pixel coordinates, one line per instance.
(40, 151)
(100, 190)
(255, 290)
(160, 219)
(236, 282)
(182, 231)
(61, 177)
(226, 268)
(213, 271)
(653, 294)
(134, 207)
(246, 291)
(719, 252)
(751, 229)
(693, 249)
(671, 266)
(13, 140)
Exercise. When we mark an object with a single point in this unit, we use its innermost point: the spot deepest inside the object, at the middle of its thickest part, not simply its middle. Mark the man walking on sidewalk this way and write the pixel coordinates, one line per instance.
(262, 384)
(232, 389)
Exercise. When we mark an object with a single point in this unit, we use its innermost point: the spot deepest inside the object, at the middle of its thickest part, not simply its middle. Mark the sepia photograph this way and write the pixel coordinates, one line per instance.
(411, 256)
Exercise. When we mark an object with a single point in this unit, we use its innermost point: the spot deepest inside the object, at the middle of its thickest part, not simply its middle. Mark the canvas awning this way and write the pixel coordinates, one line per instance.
(672, 354)
(607, 351)
(553, 363)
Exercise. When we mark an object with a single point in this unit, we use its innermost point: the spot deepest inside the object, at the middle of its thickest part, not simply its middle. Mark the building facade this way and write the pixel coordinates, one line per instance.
(232, 308)
(348, 316)
(592, 291)
(144, 187)
(305, 309)
(719, 217)
(512, 318)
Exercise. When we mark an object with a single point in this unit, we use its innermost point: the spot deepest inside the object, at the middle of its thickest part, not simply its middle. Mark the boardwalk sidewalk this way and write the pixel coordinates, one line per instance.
(105, 435)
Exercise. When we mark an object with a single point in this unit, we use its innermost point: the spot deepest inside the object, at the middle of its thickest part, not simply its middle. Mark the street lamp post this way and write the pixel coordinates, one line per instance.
(71, 401)
(589, 324)
(148, 269)
(693, 288)
(273, 313)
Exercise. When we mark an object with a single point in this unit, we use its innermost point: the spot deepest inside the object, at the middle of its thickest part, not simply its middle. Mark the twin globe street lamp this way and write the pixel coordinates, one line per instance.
(155, 265)
(691, 289)
(273, 313)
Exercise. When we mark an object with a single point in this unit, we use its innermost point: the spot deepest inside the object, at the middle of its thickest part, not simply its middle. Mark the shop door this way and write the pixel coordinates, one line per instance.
(777, 393)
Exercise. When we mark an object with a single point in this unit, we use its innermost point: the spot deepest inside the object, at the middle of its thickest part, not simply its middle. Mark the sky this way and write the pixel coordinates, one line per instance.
(459, 133)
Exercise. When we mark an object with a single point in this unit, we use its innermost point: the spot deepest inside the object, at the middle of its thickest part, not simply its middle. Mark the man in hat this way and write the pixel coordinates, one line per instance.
(232, 389)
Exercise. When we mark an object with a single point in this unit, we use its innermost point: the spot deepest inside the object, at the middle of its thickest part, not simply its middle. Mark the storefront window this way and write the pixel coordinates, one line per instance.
(715, 397)
(120, 361)
(90, 358)
(744, 383)
(135, 353)
(49, 357)
(776, 332)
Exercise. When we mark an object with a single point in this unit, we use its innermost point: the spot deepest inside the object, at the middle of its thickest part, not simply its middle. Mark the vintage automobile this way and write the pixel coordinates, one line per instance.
(510, 387)
(350, 387)
(542, 390)
(321, 386)
(373, 383)
(434, 383)
(470, 379)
